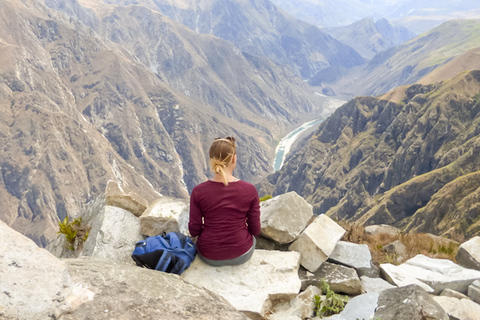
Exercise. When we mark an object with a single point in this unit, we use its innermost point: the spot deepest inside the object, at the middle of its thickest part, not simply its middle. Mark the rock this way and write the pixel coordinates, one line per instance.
(359, 307)
(165, 215)
(468, 254)
(130, 292)
(372, 272)
(341, 279)
(268, 278)
(352, 255)
(375, 284)
(397, 249)
(284, 217)
(408, 303)
(434, 275)
(113, 234)
(381, 228)
(474, 291)
(117, 196)
(299, 308)
(317, 242)
(453, 294)
(34, 284)
(269, 244)
(464, 309)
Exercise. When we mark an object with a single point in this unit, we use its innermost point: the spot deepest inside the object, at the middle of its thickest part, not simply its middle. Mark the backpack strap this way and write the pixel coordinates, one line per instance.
(164, 261)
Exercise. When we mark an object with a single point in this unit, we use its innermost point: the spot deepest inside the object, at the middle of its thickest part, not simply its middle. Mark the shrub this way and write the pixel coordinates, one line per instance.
(333, 303)
(75, 231)
(266, 197)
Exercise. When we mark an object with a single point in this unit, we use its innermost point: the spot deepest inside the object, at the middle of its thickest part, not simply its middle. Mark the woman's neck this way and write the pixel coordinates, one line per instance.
(218, 177)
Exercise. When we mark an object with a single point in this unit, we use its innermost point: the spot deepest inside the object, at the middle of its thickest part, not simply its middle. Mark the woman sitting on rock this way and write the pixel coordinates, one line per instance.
(224, 211)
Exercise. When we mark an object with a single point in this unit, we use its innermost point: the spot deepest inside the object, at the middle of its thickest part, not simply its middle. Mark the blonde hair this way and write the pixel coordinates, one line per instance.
(221, 154)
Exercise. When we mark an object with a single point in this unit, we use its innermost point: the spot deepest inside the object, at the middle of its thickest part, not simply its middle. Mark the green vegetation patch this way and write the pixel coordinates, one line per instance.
(76, 232)
(333, 303)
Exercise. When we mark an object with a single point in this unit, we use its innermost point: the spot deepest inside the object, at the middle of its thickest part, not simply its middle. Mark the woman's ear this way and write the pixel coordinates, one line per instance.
(234, 159)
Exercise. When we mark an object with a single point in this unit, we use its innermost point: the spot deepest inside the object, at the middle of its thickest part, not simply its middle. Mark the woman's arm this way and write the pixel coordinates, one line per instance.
(195, 223)
(253, 215)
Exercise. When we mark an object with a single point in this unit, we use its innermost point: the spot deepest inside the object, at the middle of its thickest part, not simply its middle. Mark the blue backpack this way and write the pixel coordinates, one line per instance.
(170, 253)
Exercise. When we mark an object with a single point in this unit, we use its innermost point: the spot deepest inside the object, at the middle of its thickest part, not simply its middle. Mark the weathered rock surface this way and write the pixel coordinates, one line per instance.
(254, 287)
(396, 249)
(359, 307)
(117, 196)
(113, 234)
(454, 294)
(299, 308)
(463, 309)
(381, 228)
(165, 215)
(284, 217)
(468, 254)
(340, 278)
(317, 242)
(433, 275)
(375, 284)
(353, 255)
(474, 291)
(408, 303)
(129, 292)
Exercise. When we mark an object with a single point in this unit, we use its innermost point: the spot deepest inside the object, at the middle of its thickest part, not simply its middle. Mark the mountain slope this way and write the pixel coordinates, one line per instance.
(381, 161)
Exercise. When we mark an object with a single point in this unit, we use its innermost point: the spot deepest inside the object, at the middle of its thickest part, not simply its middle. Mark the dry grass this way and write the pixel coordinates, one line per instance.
(416, 243)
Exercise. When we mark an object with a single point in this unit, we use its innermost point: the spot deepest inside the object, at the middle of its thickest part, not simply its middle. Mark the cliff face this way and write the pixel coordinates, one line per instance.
(99, 93)
(394, 161)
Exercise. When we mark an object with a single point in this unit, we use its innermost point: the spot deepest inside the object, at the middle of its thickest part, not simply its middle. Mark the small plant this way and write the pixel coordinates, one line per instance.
(73, 231)
(333, 303)
(266, 197)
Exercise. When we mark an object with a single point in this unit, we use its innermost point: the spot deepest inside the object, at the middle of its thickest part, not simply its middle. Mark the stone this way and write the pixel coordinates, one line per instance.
(129, 292)
(464, 309)
(117, 196)
(269, 244)
(453, 294)
(268, 278)
(317, 242)
(341, 279)
(474, 291)
(376, 285)
(284, 217)
(352, 255)
(381, 228)
(372, 272)
(166, 215)
(433, 275)
(408, 303)
(468, 254)
(299, 308)
(396, 249)
(113, 234)
(359, 307)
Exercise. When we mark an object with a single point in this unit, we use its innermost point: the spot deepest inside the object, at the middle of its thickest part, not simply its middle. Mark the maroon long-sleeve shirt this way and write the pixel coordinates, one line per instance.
(224, 218)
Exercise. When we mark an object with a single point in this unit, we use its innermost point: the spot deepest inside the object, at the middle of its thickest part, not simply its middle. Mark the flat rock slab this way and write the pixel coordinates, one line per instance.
(468, 254)
(165, 215)
(34, 284)
(375, 285)
(254, 286)
(352, 255)
(129, 292)
(284, 217)
(340, 279)
(317, 242)
(474, 291)
(408, 303)
(359, 307)
(464, 309)
(433, 275)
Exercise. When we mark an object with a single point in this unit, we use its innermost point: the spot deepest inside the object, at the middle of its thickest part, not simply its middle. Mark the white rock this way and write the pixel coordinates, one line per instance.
(255, 286)
(468, 254)
(381, 228)
(474, 291)
(464, 309)
(284, 217)
(317, 242)
(165, 215)
(117, 196)
(352, 254)
(299, 308)
(433, 275)
(341, 279)
(376, 285)
(359, 307)
(454, 294)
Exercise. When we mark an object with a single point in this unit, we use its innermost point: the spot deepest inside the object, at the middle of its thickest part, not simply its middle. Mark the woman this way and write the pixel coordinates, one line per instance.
(224, 211)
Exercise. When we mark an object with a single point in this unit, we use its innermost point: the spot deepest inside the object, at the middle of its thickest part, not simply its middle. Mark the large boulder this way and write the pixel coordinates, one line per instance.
(353, 255)
(381, 229)
(166, 215)
(113, 234)
(129, 292)
(468, 254)
(268, 278)
(464, 309)
(359, 307)
(317, 242)
(284, 217)
(408, 303)
(474, 291)
(375, 285)
(117, 196)
(433, 275)
(397, 250)
(341, 279)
